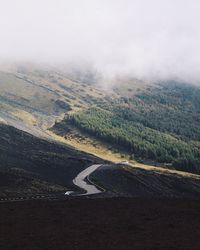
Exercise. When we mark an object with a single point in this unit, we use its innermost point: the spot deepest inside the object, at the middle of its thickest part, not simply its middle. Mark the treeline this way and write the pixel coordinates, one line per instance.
(143, 142)
(171, 108)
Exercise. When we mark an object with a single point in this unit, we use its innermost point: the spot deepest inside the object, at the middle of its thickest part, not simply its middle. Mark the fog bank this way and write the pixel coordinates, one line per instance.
(145, 39)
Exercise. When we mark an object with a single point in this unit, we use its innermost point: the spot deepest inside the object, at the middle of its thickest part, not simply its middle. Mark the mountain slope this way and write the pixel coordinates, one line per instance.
(160, 124)
(26, 159)
(126, 181)
(151, 123)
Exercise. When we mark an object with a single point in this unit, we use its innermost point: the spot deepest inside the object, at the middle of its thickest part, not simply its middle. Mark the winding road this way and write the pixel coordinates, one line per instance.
(79, 181)
(90, 187)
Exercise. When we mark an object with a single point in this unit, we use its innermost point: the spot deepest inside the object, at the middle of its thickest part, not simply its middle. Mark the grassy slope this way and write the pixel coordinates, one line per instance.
(39, 97)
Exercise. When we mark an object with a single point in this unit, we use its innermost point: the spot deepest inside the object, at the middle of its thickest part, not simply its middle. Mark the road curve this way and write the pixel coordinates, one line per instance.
(79, 181)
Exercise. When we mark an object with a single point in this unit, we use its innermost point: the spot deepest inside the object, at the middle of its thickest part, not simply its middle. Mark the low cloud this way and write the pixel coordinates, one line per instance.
(145, 39)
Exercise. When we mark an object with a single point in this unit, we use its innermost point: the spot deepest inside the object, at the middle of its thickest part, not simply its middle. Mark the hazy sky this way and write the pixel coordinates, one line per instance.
(146, 38)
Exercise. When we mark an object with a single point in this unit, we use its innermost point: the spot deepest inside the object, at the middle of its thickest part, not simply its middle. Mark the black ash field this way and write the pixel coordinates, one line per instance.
(101, 224)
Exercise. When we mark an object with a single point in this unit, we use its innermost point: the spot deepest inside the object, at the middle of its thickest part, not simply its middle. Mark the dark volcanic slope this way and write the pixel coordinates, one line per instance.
(118, 224)
(134, 182)
(16, 183)
(23, 156)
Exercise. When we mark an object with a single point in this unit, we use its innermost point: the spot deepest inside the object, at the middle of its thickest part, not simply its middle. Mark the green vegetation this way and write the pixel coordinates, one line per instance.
(173, 108)
(161, 124)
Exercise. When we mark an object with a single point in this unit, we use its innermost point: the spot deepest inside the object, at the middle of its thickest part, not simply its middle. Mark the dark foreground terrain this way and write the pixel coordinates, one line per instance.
(30, 165)
(100, 224)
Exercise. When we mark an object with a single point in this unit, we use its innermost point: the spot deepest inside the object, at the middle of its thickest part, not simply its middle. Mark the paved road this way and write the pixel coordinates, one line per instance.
(88, 186)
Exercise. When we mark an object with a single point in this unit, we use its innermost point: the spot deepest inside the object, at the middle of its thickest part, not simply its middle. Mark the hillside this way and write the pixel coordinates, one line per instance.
(148, 124)
(32, 165)
(126, 181)
(33, 98)
(160, 124)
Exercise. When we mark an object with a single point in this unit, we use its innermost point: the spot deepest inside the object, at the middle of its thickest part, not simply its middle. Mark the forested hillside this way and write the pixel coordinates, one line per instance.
(161, 124)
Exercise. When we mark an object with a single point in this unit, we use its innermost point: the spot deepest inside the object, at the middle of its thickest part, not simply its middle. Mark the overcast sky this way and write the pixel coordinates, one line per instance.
(146, 38)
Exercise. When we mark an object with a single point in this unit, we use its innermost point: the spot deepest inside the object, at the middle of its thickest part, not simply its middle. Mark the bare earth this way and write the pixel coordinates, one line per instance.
(100, 224)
